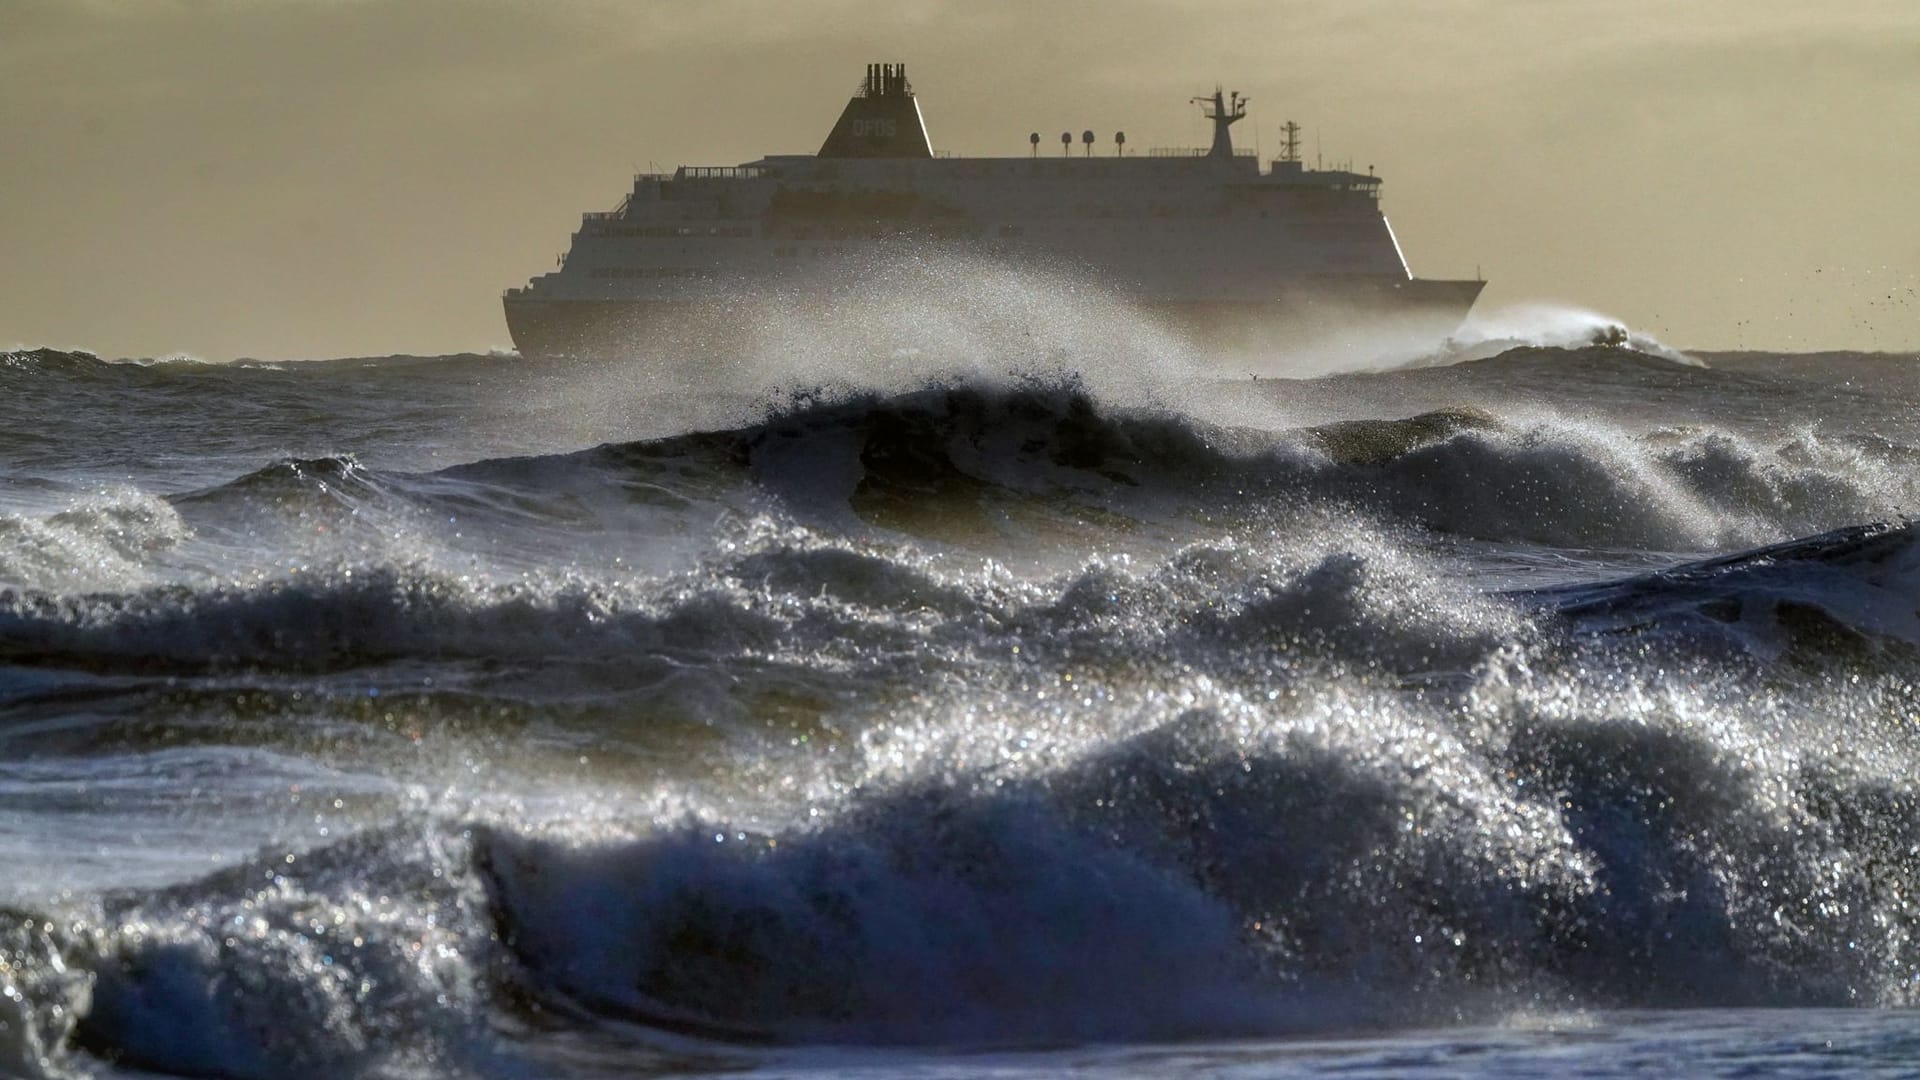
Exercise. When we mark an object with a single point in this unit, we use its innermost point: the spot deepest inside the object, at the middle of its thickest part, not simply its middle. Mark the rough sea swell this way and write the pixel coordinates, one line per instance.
(991, 711)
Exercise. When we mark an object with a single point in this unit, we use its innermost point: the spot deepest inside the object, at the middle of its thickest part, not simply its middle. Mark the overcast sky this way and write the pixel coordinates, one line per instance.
(303, 178)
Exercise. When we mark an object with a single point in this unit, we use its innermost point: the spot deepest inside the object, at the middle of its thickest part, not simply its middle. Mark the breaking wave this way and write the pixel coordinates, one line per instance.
(991, 713)
(1231, 863)
(853, 521)
(1848, 593)
(1548, 327)
(959, 451)
(972, 461)
(103, 541)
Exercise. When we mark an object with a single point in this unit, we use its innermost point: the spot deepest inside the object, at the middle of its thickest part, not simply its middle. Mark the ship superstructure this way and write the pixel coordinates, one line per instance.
(1208, 240)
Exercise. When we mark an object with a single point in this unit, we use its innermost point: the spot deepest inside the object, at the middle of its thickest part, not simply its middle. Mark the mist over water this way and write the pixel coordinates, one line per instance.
(970, 667)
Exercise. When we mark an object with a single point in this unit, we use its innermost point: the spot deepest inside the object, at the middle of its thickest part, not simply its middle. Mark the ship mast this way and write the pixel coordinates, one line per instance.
(1290, 145)
(1223, 112)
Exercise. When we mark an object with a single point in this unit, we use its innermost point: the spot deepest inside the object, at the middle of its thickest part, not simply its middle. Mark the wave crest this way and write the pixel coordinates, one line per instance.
(110, 541)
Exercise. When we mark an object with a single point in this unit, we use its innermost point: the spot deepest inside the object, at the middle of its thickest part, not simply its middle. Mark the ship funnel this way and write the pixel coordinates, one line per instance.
(881, 121)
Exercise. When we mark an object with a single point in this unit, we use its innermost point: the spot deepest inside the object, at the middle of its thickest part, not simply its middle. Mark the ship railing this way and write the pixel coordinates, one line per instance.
(1331, 180)
(719, 172)
(1193, 151)
(609, 215)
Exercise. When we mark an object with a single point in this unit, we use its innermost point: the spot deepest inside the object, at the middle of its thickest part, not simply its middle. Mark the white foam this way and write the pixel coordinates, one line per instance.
(1547, 326)
(110, 540)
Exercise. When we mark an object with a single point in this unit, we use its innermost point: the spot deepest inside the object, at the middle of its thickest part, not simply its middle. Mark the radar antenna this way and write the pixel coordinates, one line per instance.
(1223, 111)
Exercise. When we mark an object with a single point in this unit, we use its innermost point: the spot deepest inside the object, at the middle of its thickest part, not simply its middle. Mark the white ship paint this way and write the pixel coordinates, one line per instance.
(1208, 241)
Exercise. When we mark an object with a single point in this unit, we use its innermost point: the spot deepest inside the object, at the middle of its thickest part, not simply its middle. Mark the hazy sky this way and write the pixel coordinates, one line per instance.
(301, 178)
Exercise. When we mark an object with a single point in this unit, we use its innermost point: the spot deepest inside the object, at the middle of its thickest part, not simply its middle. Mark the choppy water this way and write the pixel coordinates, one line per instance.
(1051, 710)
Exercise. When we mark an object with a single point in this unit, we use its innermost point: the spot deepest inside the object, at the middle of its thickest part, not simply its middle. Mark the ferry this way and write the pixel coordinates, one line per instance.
(1212, 242)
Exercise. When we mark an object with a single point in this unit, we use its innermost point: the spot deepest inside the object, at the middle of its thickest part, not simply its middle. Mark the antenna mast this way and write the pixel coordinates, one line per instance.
(1223, 111)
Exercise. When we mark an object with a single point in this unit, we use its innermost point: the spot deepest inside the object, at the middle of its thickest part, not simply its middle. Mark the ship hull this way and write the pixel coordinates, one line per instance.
(1358, 319)
(1364, 318)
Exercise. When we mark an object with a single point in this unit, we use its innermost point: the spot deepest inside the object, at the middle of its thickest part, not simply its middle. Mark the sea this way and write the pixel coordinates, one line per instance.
(1041, 696)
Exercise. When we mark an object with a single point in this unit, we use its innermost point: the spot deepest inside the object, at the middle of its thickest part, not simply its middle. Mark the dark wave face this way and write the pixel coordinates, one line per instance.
(359, 721)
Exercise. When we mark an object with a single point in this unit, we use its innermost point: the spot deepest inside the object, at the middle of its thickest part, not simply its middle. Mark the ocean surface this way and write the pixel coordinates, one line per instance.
(1038, 697)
